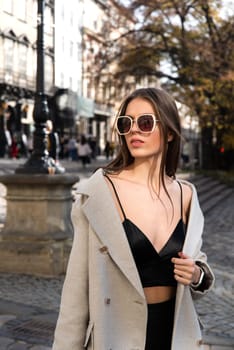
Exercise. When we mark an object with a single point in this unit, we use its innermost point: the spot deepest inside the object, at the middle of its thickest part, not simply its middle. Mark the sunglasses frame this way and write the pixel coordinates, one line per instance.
(135, 120)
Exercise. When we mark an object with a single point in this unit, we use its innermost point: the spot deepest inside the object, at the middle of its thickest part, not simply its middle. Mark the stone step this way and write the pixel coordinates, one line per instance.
(214, 200)
(213, 189)
(210, 191)
(204, 182)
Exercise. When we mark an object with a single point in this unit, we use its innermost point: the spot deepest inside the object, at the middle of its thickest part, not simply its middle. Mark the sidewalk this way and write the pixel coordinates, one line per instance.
(29, 305)
(8, 166)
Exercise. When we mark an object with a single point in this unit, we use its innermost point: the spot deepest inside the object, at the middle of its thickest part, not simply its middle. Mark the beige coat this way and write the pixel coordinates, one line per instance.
(103, 306)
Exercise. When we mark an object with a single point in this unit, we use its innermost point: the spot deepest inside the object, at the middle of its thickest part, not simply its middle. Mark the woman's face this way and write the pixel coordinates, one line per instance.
(142, 145)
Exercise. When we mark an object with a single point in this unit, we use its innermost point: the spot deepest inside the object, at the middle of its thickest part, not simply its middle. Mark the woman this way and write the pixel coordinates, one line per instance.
(136, 265)
(84, 151)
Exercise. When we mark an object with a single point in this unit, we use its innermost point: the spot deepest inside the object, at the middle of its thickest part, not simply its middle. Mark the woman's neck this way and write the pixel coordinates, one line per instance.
(140, 172)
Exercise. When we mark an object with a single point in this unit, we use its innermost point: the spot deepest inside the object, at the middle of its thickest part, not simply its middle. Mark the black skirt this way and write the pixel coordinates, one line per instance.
(160, 325)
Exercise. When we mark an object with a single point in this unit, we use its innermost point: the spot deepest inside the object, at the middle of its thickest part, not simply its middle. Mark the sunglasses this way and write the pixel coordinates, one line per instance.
(146, 123)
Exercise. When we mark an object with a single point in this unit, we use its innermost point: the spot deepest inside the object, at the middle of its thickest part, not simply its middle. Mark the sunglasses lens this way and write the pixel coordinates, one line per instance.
(146, 122)
(123, 125)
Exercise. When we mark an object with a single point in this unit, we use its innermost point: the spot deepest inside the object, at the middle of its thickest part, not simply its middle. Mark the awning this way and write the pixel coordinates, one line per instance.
(102, 113)
(85, 107)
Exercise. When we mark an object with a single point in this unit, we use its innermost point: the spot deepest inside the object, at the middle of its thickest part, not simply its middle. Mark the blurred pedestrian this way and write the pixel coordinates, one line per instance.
(53, 144)
(84, 151)
(112, 149)
(185, 155)
(93, 146)
(30, 144)
(107, 149)
(136, 263)
(72, 149)
(3, 135)
(14, 148)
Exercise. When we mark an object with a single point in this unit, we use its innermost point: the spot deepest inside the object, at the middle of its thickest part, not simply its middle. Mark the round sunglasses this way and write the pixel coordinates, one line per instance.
(146, 123)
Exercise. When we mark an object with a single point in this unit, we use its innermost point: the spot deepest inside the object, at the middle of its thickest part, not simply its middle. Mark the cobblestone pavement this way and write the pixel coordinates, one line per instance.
(22, 296)
(217, 308)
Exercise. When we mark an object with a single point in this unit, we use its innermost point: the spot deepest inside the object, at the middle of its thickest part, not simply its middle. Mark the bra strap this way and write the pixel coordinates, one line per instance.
(181, 202)
(116, 194)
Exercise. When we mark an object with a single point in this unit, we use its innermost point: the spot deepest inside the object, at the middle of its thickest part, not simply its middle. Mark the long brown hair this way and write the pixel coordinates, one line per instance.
(166, 111)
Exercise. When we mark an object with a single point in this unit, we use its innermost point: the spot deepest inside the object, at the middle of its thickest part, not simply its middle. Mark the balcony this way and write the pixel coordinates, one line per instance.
(102, 110)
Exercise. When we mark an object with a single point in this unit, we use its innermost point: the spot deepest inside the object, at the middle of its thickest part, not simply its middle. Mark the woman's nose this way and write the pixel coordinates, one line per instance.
(134, 126)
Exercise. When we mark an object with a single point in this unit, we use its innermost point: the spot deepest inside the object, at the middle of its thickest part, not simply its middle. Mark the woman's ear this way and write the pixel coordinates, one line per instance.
(170, 136)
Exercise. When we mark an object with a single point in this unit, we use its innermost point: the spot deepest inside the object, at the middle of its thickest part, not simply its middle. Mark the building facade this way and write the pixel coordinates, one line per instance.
(79, 78)
(18, 39)
(80, 63)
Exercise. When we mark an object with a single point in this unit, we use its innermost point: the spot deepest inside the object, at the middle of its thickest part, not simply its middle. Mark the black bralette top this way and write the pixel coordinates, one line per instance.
(154, 268)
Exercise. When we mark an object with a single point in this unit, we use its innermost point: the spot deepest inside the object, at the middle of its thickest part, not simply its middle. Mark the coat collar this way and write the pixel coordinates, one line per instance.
(195, 223)
(106, 222)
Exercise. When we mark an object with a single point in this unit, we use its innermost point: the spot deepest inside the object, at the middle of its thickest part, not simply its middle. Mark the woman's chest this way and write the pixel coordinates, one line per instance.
(155, 218)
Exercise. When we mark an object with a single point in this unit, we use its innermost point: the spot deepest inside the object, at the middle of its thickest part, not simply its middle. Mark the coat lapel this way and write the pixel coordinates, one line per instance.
(193, 236)
(195, 224)
(105, 221)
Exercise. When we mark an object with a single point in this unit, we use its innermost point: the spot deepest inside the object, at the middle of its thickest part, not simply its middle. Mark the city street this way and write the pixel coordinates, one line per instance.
(29, 304)
(75, 76)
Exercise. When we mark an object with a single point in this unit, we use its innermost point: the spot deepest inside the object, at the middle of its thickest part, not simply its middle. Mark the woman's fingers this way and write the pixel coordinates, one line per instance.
(184, 269)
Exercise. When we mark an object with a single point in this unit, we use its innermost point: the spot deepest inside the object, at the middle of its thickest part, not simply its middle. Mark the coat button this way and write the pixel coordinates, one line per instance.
(103, 249)
(199, 342)
(107, 301)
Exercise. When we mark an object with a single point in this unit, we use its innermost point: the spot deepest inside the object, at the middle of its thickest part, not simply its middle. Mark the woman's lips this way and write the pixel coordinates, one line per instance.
(136, 142)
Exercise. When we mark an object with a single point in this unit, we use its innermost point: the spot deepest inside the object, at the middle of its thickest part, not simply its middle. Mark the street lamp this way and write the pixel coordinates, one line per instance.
(39, 161)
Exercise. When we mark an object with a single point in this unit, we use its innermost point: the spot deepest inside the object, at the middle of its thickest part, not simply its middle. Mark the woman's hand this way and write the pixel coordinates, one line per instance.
(185, 269)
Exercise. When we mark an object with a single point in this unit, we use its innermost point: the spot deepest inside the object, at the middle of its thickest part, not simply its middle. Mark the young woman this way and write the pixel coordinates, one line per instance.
(136, 264)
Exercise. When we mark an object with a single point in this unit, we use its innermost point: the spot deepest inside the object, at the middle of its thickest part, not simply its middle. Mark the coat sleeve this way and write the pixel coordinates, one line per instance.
(195, 229)
(208, 280)
(73, 315)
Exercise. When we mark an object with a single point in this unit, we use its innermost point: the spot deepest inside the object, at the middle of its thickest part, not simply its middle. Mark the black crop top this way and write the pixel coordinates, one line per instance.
(154, 268)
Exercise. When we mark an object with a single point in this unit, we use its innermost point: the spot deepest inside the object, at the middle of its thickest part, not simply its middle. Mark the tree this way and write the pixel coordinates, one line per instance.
(190, 47)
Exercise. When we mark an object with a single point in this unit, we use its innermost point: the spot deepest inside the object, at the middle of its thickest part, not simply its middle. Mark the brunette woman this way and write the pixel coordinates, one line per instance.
(136, 265)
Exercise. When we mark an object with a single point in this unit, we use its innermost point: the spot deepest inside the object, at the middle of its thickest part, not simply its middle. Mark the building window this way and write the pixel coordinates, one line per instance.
(48, 20)
(71, 19)
(71, 48)
(62, 79)
(63, 44)
(95, 24)
(34, 13)
(70, 82)
(48, 72)
(62, 12)
(21, 9)
(22, 60)
(8, 6)
(79, 52)
(8, 54)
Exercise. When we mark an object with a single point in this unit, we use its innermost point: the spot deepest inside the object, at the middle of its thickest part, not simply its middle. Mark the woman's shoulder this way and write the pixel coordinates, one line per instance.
(188, 190)
(187, 186)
